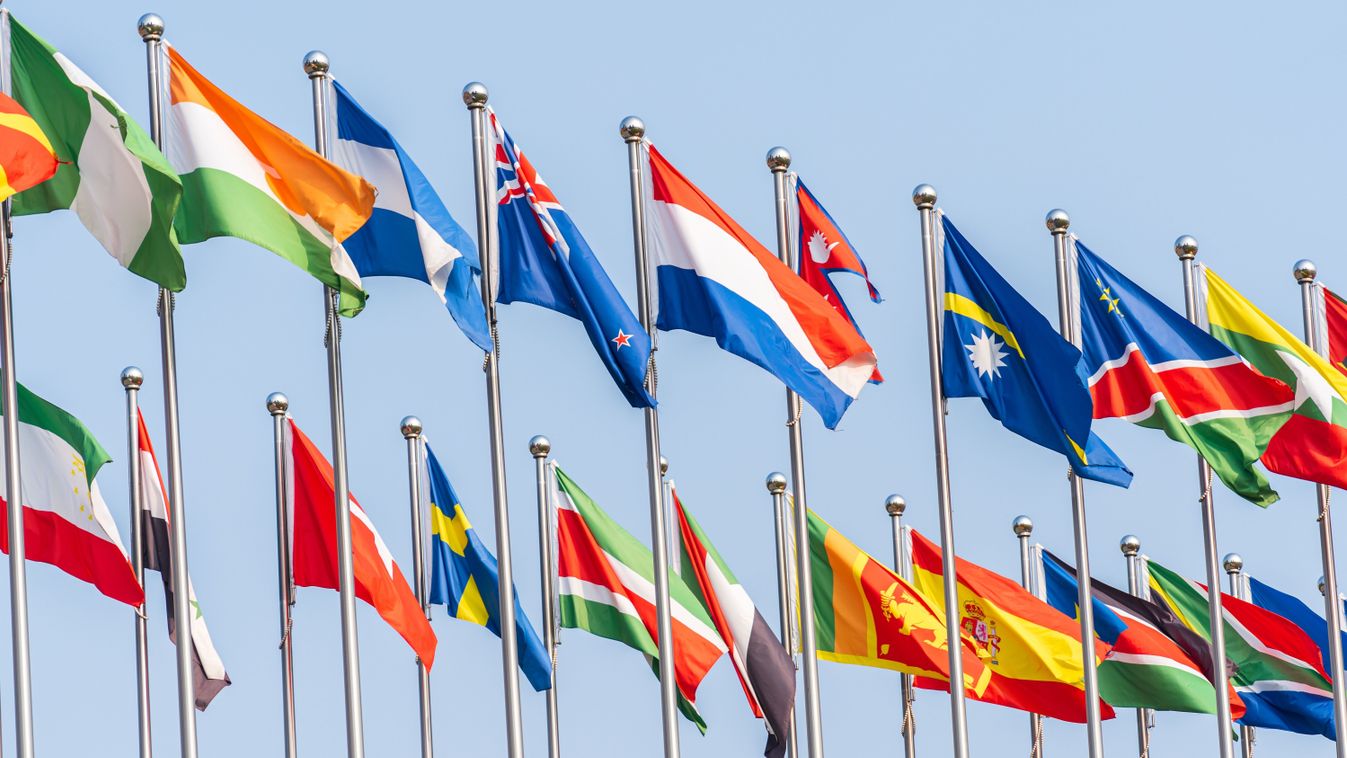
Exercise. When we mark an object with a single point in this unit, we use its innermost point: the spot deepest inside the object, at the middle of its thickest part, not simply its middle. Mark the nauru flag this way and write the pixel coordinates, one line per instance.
(716, 280)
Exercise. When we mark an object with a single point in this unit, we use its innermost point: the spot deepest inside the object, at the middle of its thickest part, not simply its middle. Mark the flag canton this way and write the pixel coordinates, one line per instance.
(519, 186)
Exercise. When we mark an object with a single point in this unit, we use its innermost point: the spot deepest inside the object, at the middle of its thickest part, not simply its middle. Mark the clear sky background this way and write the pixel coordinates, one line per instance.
(1144, 121)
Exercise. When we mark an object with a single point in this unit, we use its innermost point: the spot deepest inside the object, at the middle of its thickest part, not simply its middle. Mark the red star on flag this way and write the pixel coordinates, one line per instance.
(622, 339)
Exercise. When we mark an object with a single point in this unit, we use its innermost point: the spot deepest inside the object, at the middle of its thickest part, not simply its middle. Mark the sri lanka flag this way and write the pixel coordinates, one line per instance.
(716, 280)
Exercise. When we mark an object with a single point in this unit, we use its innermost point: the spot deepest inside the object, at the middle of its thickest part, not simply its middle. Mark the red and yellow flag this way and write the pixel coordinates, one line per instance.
(26, 155)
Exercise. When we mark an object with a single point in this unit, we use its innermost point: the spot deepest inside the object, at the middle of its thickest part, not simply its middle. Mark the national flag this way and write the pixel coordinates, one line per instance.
(1033, 653)
(825, 250)
(1297, 612)
(1155, 661)
(765, 668)
(1152, 366)
(66, 523)
(208, 671)
(716, 280)
(607, 587)
(378, 580)
(111, 174)
(1273, 664)
(1335, 317)
(1312, 444)
(26, 155)
(465, 577)
(410, 233)
(544, 260)
(244, 177)
(999, 348)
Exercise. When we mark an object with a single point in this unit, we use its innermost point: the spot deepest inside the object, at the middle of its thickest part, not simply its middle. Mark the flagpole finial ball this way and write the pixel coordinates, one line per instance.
(1023, 526)
(923, 196)
(1186, 247)
(1305, 270)
(1057, 220)
(1321, 585)
(1233, 563)
(895, 505)
(132, 378)
(151, 27)
(316, 63)
(778, 159)
(663, 466)
(277, 403)
(776, 482)
(1130, 545)
(411, 427)
(475, 95)
(632, 129)
(540, 446)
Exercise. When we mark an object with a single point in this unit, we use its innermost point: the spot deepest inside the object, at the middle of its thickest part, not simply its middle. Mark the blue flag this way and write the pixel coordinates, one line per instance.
(999, 348)
(410, 234)
(465, 578)
(545, 261)
(1291, 607)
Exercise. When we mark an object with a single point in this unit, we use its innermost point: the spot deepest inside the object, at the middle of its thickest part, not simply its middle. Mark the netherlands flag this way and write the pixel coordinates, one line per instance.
(716, 280)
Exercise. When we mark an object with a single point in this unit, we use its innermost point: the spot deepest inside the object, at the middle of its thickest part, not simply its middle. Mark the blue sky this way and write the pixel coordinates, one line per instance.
(1145, 121)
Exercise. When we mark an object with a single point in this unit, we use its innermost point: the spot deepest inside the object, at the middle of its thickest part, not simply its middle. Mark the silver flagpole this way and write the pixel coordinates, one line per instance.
(475, 97)
(132, 378)
(778, 160)
(1058, 222)
(540, 447)
(1130, 545)
(1186, 248)
(1311, 300)
(1023, 527)
(924, 198)
(632, 130)
(1233, 564)
(278, 405)
(151, 28)
(895, 506)
(411, 431)
(776, 486)
(316, 65)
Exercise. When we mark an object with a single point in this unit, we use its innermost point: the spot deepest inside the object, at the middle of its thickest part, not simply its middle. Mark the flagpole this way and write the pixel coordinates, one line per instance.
(151, 28)
(475, 97)
(278, 405)
(924, 198)
(540, 447)
(1023, 527)
(411, 432)
(1233, 563)
(632, 130)
(895, 506)
(317, 66)
(776, 486)
(1130, 545)
(1186, 248)
(1058, 222)
(132, 378)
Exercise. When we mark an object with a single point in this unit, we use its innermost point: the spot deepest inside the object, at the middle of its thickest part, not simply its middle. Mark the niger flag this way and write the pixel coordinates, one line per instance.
(1032, 651)
(26, 156)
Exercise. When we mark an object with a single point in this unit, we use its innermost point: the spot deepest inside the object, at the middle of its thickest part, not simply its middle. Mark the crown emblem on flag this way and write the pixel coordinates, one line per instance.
(982, 632)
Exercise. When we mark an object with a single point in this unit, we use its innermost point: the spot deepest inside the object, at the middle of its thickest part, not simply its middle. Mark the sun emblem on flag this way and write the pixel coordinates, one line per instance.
(819, 249)
(621, 340)
(986, 354)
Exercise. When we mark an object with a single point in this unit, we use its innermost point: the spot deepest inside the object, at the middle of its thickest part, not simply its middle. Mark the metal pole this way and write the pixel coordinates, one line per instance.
(1186, 248)
(1233, 564)
(132, 378)
(924, 198)
(776, 486)
(632, 130)
(151, 28)
(895, 505)
(316, 65)
(278, 405)
(1023, 527)
(1130, 545)
(411, 431)
(541, 447)
(475, 97)
(1058, 223)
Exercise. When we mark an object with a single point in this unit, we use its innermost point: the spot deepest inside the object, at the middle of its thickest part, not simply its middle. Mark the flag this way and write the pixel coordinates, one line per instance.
(998, 348)
(245, 177)
(1294, 610)
(410, 233)
(1155, 661)
(545, 260)
(714, 279)
(66, 523)
(829, 251)
(208, 671)
(607, 587)
(26, 155)
(1151, 366)
(378, 580)
(1033, 653)
(465, 578)
(1312, 443)
(110, 172)
(765, 668)
(1335, 317)
(1273, 664)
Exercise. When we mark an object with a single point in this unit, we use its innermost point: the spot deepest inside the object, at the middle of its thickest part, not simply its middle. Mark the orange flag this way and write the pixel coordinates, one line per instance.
(26, 155)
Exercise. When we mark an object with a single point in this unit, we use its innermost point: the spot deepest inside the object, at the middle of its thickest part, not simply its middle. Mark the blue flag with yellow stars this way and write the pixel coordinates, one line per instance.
(999, 348)
(465, 579)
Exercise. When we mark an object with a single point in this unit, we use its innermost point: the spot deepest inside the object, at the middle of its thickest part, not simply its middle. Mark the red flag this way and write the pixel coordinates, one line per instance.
(378, 580)
(1335, 313)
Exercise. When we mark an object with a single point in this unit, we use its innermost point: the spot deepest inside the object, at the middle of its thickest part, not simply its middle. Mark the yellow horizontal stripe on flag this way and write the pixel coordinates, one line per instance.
(24, 124)
(849, 638)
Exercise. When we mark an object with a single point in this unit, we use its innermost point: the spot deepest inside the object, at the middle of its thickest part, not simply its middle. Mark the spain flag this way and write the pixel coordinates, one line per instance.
(26, 155)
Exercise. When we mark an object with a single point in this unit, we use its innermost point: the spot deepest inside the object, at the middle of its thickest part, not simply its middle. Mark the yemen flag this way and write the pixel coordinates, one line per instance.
(208, 672)
(26, 155)
(111, 174)
(244, 177)
(1312, 444)
(607, 588)
(1033, 653)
